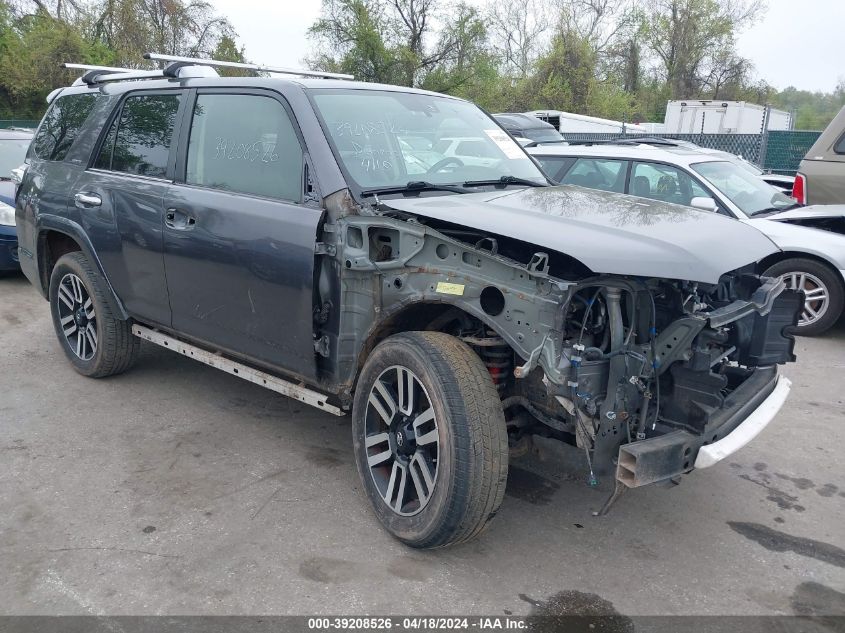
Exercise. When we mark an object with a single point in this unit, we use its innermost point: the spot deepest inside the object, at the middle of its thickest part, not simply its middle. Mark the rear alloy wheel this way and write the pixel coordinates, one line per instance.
(430, 439)
(96, 342)
(77, 317)
(823, 292)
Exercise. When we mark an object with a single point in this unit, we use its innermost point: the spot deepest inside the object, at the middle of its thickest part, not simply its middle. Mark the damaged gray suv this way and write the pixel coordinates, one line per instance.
(394, 254)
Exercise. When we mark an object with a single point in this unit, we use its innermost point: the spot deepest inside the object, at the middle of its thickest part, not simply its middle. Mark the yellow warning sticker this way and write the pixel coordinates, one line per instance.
(449, 289)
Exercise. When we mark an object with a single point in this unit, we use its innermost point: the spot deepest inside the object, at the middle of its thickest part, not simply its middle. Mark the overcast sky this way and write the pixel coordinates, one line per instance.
(798, 43)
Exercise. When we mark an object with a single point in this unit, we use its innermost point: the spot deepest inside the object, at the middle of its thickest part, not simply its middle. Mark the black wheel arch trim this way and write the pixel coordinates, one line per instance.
(57, 224)
(781, 256)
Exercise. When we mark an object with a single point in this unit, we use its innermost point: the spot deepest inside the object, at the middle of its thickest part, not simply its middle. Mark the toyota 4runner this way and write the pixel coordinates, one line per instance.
(309, 235)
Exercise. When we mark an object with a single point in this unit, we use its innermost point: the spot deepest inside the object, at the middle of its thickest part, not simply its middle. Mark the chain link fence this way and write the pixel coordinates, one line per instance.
(27, 123)
(776, 151)
(785, 150)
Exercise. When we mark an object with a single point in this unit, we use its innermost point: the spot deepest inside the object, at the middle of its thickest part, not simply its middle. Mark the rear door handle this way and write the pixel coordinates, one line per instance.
(86, 200)
(179, 220)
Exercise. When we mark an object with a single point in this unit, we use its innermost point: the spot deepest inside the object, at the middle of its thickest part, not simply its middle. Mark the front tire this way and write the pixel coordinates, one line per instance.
(96, 342)
(823, 292)
(430, 439)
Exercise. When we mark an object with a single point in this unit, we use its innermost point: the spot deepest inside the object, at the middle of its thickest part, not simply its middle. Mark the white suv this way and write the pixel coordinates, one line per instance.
(811, 239)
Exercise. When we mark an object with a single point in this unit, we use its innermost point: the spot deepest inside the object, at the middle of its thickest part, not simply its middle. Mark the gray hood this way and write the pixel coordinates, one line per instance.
(608, 232)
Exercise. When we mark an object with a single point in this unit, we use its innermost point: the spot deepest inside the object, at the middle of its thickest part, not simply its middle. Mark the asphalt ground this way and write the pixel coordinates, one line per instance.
(178, 489)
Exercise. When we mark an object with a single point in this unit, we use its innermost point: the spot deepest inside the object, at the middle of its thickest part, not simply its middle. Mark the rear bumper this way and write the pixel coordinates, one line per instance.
(749, 429)
(9, 248)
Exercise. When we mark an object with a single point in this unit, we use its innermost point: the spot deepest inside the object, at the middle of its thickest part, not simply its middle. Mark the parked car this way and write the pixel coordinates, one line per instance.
(13, 146)
(811, 239)
(529, 130)
(821, 175)
(269, 227)
(779, 181)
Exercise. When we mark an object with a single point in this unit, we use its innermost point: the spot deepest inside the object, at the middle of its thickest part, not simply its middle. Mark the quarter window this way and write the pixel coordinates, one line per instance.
(247, 144)
(555, 166)
(839, 148)
(61, 126)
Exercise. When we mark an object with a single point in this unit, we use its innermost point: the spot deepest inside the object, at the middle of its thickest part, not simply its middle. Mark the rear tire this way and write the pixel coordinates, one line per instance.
(96, 342)
(823, 290)
(456, 417)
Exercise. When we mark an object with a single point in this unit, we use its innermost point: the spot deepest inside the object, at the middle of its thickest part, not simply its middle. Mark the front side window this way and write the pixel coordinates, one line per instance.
(597, 173)
(750, 193)
(453, 141)
(247, 144)
(664, 183)
(61, 126)
(138, 141)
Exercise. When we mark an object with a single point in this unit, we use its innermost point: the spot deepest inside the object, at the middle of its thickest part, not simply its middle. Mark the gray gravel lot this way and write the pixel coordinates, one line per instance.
(177, 489)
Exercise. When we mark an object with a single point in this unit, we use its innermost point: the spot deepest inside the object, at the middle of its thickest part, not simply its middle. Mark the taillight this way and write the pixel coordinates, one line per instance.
(799, 189)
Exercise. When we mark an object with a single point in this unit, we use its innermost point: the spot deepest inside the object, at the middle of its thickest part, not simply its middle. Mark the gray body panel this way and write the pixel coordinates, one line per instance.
(608, 232)
(824, 168)
(126, 231)
(241, 278)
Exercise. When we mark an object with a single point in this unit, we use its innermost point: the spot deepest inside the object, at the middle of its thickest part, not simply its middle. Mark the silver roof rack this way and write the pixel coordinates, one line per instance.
(176, 62)
(181, 68)
(100, 74)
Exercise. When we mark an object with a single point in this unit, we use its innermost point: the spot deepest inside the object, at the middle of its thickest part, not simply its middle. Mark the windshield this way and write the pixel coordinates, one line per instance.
(751, 194)
(12, 154)
(751, 169)
(387, 139)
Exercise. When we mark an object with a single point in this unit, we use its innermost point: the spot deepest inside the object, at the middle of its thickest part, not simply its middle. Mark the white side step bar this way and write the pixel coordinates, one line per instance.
(289, 389)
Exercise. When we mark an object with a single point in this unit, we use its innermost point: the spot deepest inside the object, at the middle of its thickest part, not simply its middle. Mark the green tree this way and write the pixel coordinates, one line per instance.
(32, 51)
(694, 41)
(352, 37)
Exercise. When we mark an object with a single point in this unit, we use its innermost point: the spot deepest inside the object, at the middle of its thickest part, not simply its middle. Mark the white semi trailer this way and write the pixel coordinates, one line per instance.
(721, 117)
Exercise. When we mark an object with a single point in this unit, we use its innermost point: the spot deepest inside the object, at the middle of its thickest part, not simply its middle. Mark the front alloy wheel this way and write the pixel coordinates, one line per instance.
(816, 296)
(824, 293)
(402, 440)
(430, 440)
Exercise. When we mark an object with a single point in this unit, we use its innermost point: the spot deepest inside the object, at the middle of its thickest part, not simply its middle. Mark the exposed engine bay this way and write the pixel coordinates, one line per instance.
(599, 361)
(641, 358)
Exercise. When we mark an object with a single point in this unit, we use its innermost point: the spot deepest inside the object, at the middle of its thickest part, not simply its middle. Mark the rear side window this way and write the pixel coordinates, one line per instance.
(138, 141)
(839, 148)
(598, 173)
(246, 144)
(61, 126)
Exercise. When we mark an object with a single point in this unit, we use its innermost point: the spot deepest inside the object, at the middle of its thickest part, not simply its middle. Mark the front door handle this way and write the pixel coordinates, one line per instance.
(179, 220)
(86, 200)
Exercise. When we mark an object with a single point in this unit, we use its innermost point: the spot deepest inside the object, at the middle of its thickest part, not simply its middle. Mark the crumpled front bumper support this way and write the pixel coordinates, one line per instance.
(752, 407)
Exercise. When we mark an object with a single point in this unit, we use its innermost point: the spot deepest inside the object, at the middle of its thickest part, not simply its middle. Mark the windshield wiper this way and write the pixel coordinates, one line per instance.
(770, 210)
(413, 187)
(504, 181)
